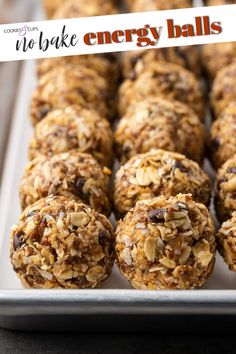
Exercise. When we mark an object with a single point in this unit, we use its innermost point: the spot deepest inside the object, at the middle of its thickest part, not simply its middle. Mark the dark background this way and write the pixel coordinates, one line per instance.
(85, 343)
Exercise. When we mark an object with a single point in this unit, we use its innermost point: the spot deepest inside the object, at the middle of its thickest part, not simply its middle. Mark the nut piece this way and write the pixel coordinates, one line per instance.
(168, 80)
(222, 144)
(73, 128)
(72, 174)
(149, 248)
(71, 85)
(59, 243)
(224, 89)
(226, 242)
(225, 190)
(159, 123)
(175, 250)
(156, 173)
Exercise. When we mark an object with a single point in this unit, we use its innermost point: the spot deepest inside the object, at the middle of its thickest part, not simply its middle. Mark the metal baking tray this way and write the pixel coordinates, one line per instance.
(113, 307)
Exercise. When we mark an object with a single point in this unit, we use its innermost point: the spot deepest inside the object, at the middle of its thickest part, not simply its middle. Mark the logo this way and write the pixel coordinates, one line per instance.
(22, 31)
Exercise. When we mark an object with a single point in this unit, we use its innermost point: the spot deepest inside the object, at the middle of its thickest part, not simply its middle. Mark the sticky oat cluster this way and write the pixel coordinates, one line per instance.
(155, 123)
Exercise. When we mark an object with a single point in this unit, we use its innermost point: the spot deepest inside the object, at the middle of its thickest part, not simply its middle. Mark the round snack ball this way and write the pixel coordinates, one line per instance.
(163, 79)
(156, 173)
(85, 8)
(226, 242)
(222, 144)
(60, 243)
(225, 190)
(158, 123)
(135, 62)
(67, 85)
(153, 5)
(225, 54)
(71, 174)
(51, 6)
(166, 243)
(219, 2)
(105, 66)
(73, 128)
(224, 89)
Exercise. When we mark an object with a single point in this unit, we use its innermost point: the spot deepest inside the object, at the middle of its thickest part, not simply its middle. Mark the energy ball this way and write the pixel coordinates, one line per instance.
(225, 54)
(105, 66)
(159, 123)
(225, 190)
(224, 89)
(226, 242)
(83, 8)
(70, 85)
(50, 6)
(156, 173)
(166, 243)
(219, 2)
(73, 128)
(135, 62)
(71, 174)
(222, 144)
(60, 243)
(152, 5)
(168, 80)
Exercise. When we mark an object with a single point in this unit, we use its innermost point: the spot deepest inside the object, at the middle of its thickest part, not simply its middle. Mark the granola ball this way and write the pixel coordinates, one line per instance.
(156, 173)
(60, 243)
(225, 54)
(70, 85)
(226, 242)
(222, 144)
(104, 65)
(73, 128)
(135, 62)
(166, 243)
(219, 2)
(163, 79)
(71, 174)
(152, 5)
(225, 190)
(159, 123)
(224, 89)
(50, 6)
(83, 8)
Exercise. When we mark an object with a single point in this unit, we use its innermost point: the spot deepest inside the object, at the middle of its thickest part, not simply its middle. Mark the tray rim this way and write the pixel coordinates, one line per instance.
(123, 302)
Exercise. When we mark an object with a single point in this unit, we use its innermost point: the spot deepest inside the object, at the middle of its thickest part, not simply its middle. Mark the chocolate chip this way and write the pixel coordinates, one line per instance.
(157, 215)
(181, 167)
(79, 187)
(215, 143)
(43, 112)
(102, 237)
(231, 170)
(18, 240)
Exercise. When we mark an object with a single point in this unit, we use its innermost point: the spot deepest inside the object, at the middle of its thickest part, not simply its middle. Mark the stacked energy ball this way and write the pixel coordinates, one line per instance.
(141, 114)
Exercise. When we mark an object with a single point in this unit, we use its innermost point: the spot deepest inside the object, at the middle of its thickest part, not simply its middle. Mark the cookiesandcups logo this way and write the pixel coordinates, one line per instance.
(22, 31)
